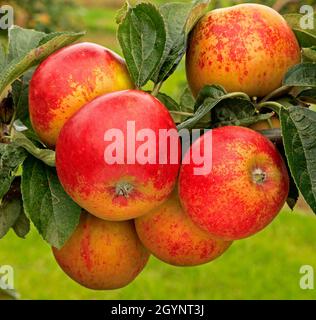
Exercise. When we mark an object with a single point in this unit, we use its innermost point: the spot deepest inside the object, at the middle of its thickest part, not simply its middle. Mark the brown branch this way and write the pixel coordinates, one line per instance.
(273, 135)
(280, 4)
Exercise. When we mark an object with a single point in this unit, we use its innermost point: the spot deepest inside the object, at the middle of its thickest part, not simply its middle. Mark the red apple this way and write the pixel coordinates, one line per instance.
(245, 189)
(248, 48)
(102, 166)
(67, 80)
(102, 255)
(169, 234)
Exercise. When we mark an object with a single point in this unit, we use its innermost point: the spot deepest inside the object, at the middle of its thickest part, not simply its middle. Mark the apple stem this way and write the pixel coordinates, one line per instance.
(156, 89)
(270, 123)
(123, 189)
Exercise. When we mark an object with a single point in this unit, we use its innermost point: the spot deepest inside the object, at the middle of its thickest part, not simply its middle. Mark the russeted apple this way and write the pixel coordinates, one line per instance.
(248, 48)
(245, 189)
(67, 80)
(118, 157)
(170, 235)
(102, 255)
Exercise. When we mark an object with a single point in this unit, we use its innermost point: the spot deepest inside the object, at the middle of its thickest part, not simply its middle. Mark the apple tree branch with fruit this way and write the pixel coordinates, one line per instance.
(251, 83)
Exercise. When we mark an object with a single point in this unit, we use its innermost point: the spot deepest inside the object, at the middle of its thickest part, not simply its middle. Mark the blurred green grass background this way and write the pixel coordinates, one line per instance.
(265, 266)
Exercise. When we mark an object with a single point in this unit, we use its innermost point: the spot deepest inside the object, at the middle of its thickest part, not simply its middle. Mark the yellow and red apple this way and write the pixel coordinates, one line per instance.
(67, 80)
(129, 125)
(169, 234)
(245, 189)
(247, 48)
(102, 255)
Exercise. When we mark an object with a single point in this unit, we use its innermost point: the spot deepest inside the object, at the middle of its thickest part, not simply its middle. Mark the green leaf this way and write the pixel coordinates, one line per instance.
(209, 91)
(46, 203)
(3, 47)
(2, 55)
(179, 20)
(9, 294)
(301, 75)
(306, 37)
(11, 158)
(187, 101)
(237, 112)
(293, 192)
(142, 36)
(171, 105)
(21, 41)
(168, 102)
(199, 116)
(154, 41)
(198, 10)
(22, 226)
(209, 97)
(277, 94)
(121, 13)
(20, 90)
(308, 95)
(299, 131)
(313, 108)
(286, 101)
(45, 155)
(175, 16)
(310, 54)
(28, 53)
(9, 213)
(179, 112)
(26, 128)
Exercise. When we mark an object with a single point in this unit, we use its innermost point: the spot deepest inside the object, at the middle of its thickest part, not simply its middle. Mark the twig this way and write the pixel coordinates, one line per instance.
(277, 93)
(280, 4)
(180, 113)
(156, 89)
(274, 135)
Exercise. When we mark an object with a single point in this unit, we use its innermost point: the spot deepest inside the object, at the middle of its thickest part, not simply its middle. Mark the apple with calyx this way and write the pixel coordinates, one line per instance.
(245, 189)
(119, 156)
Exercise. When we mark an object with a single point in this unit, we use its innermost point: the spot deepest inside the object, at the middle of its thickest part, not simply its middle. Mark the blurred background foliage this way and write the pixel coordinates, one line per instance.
(44, 15)
(97, 17)
(263, 267)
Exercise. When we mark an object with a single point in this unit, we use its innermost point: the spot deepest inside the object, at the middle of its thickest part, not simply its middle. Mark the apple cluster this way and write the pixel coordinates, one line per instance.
(132, 210)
